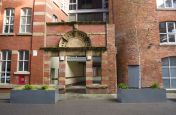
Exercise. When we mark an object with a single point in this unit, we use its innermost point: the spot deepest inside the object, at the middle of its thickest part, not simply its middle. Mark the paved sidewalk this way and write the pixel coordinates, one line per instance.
(106, 105)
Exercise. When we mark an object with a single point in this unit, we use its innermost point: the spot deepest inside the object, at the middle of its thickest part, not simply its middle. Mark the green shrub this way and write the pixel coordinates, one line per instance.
(44, 87)
(122, 86)
(28, 87)
(154, 86)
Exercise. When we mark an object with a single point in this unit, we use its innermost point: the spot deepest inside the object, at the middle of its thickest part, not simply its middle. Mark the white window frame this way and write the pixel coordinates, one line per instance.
(163, 1)
(74, 3)
(100, 10)
(6, 60)
(27, 17)
(23, 61)
(104, 4)
(54, 18)
(10, 20)
(169, 77)
(169, 33)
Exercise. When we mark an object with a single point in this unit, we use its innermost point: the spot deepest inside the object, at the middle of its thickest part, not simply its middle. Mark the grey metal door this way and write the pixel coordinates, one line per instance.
(133, 76)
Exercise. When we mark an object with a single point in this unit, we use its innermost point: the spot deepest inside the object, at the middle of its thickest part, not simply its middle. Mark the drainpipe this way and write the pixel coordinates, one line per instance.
(31, 41)
(44, 44)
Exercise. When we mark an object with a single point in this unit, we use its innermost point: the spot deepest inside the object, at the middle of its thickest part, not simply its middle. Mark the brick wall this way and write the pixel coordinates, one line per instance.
(100, 35)
(137, 38)
(43, 11)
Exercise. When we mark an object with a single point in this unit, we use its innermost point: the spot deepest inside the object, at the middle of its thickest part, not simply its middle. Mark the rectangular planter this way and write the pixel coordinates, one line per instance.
(146, 95)
(34, 96)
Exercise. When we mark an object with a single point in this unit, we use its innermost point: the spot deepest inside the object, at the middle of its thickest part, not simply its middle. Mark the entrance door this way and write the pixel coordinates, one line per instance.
(133, 76)
(75, 74)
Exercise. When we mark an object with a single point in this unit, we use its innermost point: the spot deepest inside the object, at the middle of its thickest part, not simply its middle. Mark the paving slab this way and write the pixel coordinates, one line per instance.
(88, 106)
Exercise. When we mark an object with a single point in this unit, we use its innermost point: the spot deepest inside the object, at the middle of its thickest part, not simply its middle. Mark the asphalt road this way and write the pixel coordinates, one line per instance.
(88, 107)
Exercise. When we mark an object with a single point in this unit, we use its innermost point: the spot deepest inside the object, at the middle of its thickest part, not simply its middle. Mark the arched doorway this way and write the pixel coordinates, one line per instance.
(75, 48)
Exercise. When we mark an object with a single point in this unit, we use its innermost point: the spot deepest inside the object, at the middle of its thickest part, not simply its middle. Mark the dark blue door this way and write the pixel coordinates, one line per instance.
(133, 76)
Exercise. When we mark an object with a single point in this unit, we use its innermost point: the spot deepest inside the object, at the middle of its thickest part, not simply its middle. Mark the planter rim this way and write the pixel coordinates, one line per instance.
(141, 88)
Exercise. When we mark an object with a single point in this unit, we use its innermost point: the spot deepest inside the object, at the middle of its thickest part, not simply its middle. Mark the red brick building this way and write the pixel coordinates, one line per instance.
(38, 46)
(68, 42)
(145, 40)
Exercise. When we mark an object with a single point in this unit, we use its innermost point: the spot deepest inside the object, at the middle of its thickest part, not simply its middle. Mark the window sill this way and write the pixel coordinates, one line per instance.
(22, 72)
(3, 86)
(168, 44)
(7, 34)
(166, 9)
(24, 34)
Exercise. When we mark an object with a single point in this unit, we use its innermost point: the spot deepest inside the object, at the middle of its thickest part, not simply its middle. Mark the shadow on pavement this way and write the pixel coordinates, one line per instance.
(113, 100)
(4, 100)
(173, 100)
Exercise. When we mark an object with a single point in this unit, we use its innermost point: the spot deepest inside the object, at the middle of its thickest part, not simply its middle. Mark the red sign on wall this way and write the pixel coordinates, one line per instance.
(21, 80)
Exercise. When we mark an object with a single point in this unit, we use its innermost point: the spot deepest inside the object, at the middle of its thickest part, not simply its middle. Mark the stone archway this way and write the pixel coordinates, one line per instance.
(75, 38)
(75, 61)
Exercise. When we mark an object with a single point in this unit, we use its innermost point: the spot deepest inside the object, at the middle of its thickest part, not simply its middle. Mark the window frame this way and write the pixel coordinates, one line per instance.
(6, 60)
(11, 17)
(165, 7)
(54, 18)
(77, 11)
(168, 33)
(27, 16)
(170, 78)
(23, 61)
(73, 4)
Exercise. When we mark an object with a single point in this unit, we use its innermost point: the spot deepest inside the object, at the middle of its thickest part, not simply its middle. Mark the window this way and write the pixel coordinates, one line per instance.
(54, 18)
(105, 4)
(25, 20)
(72, 5)
(167, 32)
(23, 59)
(5, 65)
(90, 17)
(97, 70)
(89, 4)
(169, 72)
(9, 20)
(72, 17)
(88, 10)
(166, 3)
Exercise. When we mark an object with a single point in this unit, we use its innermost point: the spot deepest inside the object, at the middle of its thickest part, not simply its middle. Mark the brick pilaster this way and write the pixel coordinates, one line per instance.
(89, 72)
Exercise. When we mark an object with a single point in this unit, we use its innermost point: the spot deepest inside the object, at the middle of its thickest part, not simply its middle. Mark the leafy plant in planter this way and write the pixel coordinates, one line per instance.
(28, 87)
(154, 86)
(151, 94)
(122, 86)
(45, 87)
(43, 94)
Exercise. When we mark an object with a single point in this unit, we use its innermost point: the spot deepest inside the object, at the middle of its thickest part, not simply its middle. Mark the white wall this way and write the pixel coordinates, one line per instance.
(76, 70)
